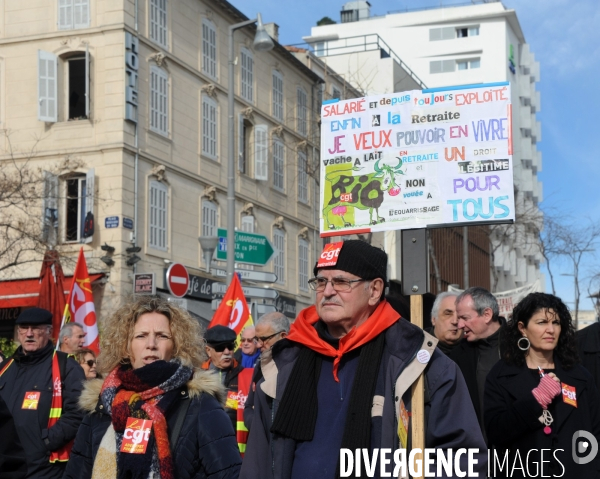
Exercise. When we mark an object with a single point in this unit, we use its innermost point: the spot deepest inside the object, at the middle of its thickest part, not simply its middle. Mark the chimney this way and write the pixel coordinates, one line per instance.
(273, 31)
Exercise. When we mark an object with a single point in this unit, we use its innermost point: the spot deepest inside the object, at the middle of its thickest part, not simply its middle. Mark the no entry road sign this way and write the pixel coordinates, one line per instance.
(178, 280)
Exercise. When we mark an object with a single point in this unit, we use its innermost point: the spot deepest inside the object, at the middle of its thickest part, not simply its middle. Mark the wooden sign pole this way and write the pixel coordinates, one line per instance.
(415, 280)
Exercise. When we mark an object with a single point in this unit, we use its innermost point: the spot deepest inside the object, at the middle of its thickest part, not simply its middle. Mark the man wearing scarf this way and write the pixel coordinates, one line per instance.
(42, 396)
(343, 376)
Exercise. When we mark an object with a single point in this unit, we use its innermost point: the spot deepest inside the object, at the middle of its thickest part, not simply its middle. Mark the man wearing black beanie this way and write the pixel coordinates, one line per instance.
(342, 379)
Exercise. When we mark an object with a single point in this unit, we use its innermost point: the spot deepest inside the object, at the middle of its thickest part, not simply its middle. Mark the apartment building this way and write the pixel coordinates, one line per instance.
(121, 107)
(450, 46)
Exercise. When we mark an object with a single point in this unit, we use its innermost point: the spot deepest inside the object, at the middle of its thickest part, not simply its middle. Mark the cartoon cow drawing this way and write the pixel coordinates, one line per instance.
(364, 191)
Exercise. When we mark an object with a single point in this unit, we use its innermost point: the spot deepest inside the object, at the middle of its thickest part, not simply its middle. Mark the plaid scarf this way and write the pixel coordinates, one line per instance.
(144, 393)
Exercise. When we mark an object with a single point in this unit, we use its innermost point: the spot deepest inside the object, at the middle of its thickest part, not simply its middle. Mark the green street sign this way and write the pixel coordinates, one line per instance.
(250, 248)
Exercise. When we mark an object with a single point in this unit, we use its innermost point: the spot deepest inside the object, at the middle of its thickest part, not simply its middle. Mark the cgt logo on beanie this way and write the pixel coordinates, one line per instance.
(356, 257)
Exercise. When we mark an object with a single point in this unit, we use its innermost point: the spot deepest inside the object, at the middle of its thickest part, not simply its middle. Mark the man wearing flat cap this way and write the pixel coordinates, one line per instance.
(41, 388)
(220, 345)
(342, 379)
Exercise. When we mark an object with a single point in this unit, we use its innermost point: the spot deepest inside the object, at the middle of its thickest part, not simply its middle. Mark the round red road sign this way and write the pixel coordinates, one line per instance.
(178, 280)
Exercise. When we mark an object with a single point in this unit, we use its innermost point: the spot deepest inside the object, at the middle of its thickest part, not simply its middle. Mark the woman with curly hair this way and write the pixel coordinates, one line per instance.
(537, 397)
(157, 414)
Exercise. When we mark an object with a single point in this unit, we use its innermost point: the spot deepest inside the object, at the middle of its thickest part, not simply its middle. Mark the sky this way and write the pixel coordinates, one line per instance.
(564, 36)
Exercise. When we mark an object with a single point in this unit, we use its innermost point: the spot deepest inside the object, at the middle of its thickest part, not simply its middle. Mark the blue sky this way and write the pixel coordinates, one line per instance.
(564, 35)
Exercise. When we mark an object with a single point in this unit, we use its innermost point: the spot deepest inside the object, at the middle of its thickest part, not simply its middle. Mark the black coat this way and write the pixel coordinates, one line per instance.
(206, 446)
(588, 343)
(33, 372)
(12, 457)
(511, 420)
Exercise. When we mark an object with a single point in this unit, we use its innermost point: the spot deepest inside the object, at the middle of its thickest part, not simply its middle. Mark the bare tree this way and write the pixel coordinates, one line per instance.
(23, 190)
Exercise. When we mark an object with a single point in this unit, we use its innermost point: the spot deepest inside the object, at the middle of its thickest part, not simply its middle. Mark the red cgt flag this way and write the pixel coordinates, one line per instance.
(233, 311)
(80, 304)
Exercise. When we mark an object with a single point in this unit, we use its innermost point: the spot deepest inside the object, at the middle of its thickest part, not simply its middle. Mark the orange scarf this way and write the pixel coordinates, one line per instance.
(304, 332)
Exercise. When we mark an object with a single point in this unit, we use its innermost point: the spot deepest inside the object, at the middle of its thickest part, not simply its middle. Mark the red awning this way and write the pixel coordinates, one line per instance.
(25, 292)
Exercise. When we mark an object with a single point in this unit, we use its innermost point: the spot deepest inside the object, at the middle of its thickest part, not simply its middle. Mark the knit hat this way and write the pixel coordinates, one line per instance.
(361, 259)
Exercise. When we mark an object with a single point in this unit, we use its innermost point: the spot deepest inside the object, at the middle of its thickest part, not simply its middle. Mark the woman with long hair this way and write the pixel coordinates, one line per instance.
(157, 414)
(538, 398)
(87, 360)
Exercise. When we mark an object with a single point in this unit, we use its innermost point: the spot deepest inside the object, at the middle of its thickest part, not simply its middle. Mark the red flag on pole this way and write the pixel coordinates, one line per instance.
(233, 311)
(80, 304)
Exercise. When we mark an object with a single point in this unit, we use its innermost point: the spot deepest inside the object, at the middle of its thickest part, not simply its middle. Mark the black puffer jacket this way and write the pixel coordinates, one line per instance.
(206, 446)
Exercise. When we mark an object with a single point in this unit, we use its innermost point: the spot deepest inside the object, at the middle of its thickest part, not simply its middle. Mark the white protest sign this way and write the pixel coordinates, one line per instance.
(416, 159)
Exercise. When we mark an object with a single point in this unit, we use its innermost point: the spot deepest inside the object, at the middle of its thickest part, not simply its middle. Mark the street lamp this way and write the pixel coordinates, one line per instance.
(208, 245)
(262, 43)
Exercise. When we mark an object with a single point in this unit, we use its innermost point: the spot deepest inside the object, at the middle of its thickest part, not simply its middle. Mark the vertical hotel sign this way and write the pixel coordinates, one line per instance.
(132, 62)
(417, 159)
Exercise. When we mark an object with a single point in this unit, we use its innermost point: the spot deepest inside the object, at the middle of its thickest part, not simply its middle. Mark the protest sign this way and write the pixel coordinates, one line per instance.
(437, 157)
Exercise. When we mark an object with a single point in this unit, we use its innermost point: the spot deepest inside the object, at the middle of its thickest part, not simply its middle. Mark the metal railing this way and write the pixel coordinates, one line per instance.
(363, 43)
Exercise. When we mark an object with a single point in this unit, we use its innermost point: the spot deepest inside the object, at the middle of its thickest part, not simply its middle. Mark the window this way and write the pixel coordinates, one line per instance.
(159, 91)
(73, 14)
(302, 178)
(261, 153)
(303, 264)
(444, 33)
(158, 21)
(75, 69)
(209, 218)
(442, 66)
(209, 127)
(79, 205)
(243, 137)
(247, 225)
(320, 49)
(335, 93)
(278, 164)
(247, 80)
(157, 221)
(302, 112)
(468, 64)
(209, 48)
(464, 32)
(279, 259)
(277, 95)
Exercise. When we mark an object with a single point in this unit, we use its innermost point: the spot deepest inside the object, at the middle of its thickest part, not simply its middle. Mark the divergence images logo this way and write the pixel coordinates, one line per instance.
(582, 452)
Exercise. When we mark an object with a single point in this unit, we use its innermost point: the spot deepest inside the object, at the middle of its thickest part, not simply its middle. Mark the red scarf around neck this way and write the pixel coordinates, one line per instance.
(304, 332)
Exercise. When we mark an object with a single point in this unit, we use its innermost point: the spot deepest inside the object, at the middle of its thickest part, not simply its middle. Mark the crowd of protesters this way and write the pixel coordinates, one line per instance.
(163, 400)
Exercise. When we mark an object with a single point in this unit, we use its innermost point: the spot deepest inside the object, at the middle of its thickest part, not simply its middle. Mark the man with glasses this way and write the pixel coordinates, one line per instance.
(270, 328)
(247, 354)
(342, 379)
(220, 345)
(41, 388)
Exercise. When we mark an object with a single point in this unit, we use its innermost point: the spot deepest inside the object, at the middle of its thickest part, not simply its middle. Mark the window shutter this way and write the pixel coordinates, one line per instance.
(261, 152)
(81, 13)
(158, 206)
(302, 264)
(241, 145)
(89, 201)
(47, 87)
(50, 212)
(65, 14)
(87, 81)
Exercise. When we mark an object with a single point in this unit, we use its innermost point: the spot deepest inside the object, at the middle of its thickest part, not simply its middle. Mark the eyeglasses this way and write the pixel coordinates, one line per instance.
(264, 339)
(222, 347)
(247, 340)
(36, 329)
(341, 285)
(90, 362)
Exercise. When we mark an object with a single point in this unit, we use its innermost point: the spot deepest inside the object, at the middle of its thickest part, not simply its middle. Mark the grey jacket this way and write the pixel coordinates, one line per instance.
(450, 419)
